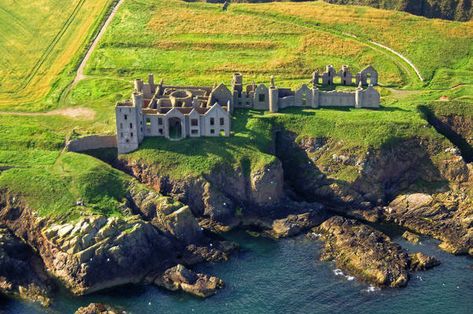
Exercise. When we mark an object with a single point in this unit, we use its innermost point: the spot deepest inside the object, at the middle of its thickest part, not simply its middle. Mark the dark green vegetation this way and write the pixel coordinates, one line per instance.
(460, 10)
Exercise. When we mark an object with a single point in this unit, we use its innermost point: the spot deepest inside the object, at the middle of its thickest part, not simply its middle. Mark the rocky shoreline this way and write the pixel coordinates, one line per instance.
(173, 224)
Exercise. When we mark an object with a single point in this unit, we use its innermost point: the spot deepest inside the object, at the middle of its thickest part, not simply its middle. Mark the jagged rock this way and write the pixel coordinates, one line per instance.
(364, 252)
(217, 251)
(445, 216)
(411, 237)
(112, 251)
(181, 278)
(99, 308)
(219, 208)
(420, 261)
(295, 224)
(183, 225)
(22, 273)
(92, 252)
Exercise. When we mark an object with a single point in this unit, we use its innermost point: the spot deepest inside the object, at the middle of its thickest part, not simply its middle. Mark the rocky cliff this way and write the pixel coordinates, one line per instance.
(460, 10)
(94, 252)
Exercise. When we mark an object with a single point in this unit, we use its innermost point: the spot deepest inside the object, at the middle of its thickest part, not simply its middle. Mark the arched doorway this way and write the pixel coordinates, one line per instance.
(175, 128)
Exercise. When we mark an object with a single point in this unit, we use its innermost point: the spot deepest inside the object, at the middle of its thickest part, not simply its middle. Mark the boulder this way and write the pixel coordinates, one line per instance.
(420, 261)
(181, 278)
(411, 237)
(364, 252)
(295, 224)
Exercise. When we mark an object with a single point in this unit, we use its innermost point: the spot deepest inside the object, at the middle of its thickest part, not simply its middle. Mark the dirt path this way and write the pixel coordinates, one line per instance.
(80, 71)
(77, 113)
(409, 62)
(407, 66)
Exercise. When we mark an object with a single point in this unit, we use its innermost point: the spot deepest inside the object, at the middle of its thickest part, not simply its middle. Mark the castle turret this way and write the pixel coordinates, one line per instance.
(273, 97)
(138, 85)
(152, 87)
(315, 97)
(237, 87)
(137, 99)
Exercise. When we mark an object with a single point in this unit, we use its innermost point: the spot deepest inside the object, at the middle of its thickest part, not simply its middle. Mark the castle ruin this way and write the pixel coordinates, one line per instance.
(176, 112)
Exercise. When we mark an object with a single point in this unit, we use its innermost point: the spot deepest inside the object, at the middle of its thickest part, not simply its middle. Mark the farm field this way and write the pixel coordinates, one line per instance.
(41, 43)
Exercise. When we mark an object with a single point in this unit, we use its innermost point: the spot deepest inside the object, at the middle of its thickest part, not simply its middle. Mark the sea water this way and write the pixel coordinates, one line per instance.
(285, 276)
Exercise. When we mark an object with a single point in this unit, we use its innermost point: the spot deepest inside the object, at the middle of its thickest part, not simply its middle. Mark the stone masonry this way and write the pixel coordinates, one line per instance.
(176, 112)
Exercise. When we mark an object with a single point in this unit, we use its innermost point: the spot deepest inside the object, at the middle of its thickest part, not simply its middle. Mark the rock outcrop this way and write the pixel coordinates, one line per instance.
(420, 261)
(295, 224)
(216, 195)
(97, 252)
(411, 237)
(364, 252)
(99, 308)
(355, 179)
(445, 216)
(181, 278)
(22, 273)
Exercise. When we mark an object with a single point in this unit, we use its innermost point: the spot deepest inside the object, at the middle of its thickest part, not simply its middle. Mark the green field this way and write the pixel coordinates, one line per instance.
(197, 43)
(41, 43)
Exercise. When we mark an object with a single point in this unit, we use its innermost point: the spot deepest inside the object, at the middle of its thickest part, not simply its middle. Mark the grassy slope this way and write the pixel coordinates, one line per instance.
(199, 44)
(430, 44)
(55, 189)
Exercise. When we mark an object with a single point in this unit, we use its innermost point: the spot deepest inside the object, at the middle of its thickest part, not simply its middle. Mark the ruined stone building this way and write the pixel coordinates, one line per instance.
(173, 112)
(273, 98)
(176, 112)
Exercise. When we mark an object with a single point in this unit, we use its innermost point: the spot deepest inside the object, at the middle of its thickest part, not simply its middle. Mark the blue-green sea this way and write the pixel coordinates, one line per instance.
(285, 276)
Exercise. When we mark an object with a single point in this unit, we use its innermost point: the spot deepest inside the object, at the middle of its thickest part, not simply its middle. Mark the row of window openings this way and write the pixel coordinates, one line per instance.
(212, 131)
(194, 122)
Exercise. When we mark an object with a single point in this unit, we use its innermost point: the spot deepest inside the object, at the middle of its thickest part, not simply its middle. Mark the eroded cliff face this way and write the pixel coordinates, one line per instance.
(319, 168)
(218, 194)
(421, 185)
(94, 252)
(391, 184)
(22, 273)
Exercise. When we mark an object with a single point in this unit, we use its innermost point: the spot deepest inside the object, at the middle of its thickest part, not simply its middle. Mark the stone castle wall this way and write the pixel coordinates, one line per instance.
(92, 142)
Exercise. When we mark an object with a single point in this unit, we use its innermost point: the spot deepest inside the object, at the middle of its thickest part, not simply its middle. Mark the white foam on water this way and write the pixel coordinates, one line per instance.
(338, 272)
(371, 288)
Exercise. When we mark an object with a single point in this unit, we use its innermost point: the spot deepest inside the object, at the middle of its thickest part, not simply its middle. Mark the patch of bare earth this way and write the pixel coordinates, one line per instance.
(76, 113)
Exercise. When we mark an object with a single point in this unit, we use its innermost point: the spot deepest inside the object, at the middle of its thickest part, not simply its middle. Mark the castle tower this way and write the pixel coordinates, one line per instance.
(345, 75)
(273, 97)
(315, 77)
(237, 87)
